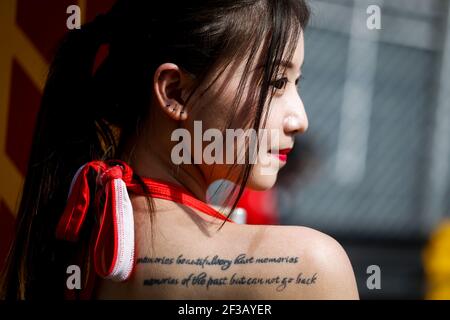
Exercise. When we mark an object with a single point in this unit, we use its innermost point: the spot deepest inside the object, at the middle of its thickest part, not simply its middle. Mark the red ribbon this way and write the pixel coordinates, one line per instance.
(111, 180)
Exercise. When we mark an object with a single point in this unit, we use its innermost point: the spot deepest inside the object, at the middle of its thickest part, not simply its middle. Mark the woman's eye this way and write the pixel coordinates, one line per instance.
(298, 79)
(280, 83)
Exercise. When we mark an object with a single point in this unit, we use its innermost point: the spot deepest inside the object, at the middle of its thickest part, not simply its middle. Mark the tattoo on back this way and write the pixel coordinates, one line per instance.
(202, 279)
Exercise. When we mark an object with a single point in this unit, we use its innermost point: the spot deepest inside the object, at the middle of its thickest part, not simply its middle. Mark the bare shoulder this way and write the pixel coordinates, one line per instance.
(326, 255)
(323, 256)
(234, 262)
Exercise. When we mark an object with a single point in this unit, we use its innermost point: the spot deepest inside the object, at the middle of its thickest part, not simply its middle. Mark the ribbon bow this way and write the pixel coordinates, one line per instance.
(116, 216)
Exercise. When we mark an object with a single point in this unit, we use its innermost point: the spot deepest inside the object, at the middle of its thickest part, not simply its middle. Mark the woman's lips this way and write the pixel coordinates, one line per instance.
(282, 154)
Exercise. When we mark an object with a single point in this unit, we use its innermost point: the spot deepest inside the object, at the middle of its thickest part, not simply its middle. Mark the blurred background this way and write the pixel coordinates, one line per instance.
(373, 170)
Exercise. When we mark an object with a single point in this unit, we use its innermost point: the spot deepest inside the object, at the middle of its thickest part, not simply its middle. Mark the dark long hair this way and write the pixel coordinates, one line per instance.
(87, 115)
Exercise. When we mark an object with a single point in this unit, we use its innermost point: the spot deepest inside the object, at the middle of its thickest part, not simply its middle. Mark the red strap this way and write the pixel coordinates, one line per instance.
(78, 201)
(104, 171)
(166, 191)
(113, 252)
(100, 179)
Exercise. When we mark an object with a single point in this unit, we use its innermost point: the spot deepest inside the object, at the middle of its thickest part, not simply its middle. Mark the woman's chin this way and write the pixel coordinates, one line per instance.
(262, 181)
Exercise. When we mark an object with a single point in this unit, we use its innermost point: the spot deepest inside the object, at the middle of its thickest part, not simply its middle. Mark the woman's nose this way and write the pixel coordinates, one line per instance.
(296, 122)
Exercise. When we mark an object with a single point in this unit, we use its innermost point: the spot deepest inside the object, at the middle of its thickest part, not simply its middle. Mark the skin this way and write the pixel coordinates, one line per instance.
(180, 230)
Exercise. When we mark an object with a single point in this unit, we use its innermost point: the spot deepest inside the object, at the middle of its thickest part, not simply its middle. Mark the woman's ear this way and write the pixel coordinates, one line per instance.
(169, 82)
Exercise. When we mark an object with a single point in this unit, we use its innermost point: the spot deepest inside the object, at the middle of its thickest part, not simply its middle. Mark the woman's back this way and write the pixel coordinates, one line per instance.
(190, 259)
(173, 79)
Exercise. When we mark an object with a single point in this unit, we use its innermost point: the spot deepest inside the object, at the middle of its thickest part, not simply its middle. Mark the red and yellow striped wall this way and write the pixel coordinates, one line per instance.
(29, 33)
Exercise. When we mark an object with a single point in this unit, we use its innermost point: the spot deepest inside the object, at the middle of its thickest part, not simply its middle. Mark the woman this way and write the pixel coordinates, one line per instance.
(106, 196)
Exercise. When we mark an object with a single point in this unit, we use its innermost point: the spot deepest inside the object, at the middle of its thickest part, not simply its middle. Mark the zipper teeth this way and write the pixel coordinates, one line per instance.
(129, 266)
(121, 272)
(121, 227)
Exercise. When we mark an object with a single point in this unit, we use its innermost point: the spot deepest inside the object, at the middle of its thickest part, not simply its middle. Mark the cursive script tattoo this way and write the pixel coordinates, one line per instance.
(217, 261)
(203, 279)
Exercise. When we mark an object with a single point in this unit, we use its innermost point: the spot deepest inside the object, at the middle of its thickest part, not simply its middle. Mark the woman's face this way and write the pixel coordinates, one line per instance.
(222, 156)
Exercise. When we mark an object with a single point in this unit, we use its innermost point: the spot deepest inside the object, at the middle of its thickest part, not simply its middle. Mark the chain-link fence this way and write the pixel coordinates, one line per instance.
(371, 98)
(378, 145)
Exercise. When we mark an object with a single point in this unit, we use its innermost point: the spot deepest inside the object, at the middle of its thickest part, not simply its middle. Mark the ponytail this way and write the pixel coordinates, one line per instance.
(68, 133)
(80, 111)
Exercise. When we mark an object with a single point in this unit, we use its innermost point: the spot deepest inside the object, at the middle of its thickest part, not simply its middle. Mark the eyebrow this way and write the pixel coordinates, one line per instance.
(290, 65)
(287, 64)
(284, 63)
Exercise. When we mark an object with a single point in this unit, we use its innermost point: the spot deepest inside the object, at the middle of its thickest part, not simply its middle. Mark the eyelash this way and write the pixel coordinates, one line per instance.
(285, 81)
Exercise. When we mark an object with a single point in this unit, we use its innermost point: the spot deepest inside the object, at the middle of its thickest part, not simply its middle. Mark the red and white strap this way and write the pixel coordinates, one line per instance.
(114, 243)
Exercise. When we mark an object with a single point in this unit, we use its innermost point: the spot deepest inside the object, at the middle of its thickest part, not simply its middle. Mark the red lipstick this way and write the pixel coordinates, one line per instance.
(282, 154)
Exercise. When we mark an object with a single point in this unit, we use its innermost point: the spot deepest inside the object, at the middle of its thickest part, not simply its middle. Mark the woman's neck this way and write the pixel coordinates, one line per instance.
(150, 158)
